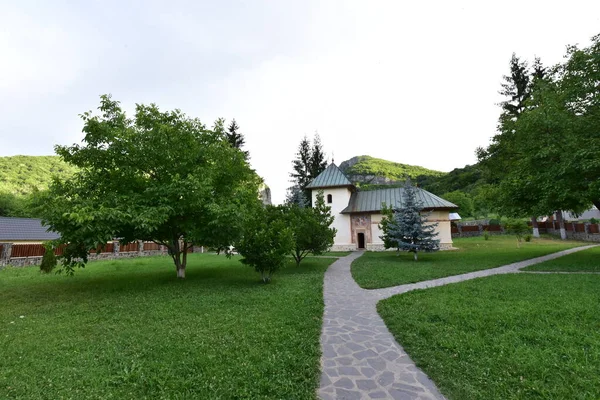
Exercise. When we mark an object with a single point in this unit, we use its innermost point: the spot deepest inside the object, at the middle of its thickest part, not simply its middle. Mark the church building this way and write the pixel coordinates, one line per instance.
(358, 213)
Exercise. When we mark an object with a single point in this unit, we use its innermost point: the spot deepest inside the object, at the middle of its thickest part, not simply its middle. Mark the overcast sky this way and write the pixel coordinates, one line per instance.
(413, 82)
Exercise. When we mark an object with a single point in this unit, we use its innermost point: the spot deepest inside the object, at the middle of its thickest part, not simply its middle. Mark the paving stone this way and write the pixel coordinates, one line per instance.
(368, 372)
(344, 383)
(386, 378)
(348, 371)
(344, 360)
(343, 394)
(366, 384)
(364, 354)
(398, 394)
(378, 395)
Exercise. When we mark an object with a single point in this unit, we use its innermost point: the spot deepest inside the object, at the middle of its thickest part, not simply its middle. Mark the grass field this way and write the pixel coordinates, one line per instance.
(582, 261)
(504, 337)
(384, 269)
(128, 329)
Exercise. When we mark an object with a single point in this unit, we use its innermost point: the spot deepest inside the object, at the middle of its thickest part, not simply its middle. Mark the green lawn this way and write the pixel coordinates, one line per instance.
(128, 329)
(582, 261)
(504, 337)
(384, 269)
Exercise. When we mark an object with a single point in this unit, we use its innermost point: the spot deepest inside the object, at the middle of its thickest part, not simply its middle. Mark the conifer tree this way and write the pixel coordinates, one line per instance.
(406, 229)
(235, 138)
(318, 163)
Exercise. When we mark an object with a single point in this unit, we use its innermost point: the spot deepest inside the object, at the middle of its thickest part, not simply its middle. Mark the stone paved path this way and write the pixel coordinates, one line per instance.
(361, 359)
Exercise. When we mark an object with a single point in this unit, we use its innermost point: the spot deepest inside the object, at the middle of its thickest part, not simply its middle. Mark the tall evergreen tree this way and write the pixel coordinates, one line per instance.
(318, 163)
(515, 88)
(301, 175)
(236, 138)
(406, 228)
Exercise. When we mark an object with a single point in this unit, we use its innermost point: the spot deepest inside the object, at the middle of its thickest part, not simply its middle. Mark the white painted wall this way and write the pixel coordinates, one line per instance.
(443, 228)
(340, 199)
(375, 231)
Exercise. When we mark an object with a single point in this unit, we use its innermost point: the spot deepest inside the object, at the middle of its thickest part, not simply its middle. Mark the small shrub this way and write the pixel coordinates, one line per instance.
(518, 228)
(48, 260)
(494, 221)
(527, 238)
(593, 221)
(486, 235)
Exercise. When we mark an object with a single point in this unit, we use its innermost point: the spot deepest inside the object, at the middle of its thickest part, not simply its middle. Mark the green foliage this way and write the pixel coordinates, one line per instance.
(310, 228)
(309, 163)
(368, 166)
(515, 336)
(130, 330)
(486, 235)
(462, 200)
(544, 158)
(593, 221)
(21, 175)
(236, 138)
(494, 221)
(406, 229)
(159, 176)
(381, 269)
(467, 179)
(516, 227)
(266, 241)
(49, 259)
(528, 238)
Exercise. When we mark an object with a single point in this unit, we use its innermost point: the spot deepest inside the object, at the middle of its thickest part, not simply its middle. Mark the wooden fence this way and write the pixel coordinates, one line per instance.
(37, 250)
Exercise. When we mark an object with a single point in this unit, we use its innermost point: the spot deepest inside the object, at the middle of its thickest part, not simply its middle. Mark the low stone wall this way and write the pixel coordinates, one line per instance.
(37, 260)
(586, 237)
(343, 247)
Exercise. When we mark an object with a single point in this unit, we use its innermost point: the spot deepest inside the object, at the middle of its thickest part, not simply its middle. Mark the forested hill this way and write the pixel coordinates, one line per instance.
(466, 187)
(370, 172)
(23, 174)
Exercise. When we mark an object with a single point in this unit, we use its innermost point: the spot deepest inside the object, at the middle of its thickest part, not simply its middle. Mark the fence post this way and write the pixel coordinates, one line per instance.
(480, 226)
(140, 248)
(586, 228)
(6, 253)
(116, 248)
(459, 228)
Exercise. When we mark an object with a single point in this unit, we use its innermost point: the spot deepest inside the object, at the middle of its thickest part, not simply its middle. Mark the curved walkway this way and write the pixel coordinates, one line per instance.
(360, 357)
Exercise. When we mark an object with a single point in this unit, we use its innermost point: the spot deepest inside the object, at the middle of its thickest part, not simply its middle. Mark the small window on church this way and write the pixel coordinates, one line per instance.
(329, 199)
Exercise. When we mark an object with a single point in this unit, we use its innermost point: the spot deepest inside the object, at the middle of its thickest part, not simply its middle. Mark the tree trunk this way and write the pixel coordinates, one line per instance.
(176, 255)
(534, 225)
(561, 225)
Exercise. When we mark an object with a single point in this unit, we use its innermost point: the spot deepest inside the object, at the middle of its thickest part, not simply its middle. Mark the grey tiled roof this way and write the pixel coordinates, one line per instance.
(24, 229)
(331, 177)
(371, 200)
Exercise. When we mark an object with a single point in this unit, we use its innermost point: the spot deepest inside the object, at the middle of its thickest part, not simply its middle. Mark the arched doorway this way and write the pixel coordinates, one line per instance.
(361, 240)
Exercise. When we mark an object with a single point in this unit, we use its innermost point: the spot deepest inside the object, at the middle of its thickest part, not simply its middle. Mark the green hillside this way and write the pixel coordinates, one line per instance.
(20, 175)
(370, 172)
(466, 187)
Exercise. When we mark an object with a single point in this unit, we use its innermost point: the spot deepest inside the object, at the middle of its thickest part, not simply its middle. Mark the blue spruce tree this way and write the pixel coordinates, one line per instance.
(406, 228)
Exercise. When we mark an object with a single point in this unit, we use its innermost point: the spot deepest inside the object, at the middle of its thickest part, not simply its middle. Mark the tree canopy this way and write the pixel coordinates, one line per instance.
(159, 176)
(544, 157)
(310, 161)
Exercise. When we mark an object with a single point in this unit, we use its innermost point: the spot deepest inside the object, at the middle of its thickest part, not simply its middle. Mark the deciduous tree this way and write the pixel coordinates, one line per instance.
(266, 241)
(159, 176)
